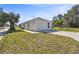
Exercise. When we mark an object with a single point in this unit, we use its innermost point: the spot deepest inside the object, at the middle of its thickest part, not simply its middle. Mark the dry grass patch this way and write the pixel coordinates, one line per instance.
(22, 42)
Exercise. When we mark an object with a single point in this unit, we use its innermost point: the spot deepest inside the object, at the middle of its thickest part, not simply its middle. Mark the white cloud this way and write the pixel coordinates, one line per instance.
(63, 9)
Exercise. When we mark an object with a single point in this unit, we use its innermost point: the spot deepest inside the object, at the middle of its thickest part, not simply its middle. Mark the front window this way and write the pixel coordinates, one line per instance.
(48, 25)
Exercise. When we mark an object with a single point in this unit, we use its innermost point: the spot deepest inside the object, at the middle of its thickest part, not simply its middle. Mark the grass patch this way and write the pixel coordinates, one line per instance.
(23, 42)
(67, 29)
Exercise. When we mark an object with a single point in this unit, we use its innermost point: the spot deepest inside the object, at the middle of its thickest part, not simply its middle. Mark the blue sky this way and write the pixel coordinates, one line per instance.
(29, 11)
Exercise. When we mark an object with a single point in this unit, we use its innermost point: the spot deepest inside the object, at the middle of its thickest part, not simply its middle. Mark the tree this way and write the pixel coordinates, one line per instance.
(54, 20)
(71, 19)
(59, 16)
(13, 19)
(58, 21)
(3, 18)
(8, 17)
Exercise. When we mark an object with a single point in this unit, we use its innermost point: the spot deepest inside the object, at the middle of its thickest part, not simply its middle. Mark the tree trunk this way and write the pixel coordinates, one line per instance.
(61, 26)
(12, 27)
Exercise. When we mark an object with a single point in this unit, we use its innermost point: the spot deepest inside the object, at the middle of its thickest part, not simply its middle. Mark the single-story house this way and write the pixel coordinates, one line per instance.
(37, 24)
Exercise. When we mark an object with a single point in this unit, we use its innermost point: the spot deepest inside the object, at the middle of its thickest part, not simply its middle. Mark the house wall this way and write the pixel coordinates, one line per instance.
(42, 25)
(31, 25)
(38, 25)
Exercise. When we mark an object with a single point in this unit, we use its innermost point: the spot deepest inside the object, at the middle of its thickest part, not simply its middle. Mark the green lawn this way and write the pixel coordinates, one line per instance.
(23, 42)
(67, 29)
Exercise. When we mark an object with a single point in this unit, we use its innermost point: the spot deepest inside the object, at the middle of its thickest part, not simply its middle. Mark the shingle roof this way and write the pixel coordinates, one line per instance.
(35, 19)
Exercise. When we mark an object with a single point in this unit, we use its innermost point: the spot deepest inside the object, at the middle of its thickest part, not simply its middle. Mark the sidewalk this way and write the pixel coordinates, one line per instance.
(29, 31)
(3, 31)
(72, 35)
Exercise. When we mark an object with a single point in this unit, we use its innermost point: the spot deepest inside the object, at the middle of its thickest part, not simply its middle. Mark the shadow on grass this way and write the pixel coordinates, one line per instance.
(43, 31)
(49, 31)
(14, 31)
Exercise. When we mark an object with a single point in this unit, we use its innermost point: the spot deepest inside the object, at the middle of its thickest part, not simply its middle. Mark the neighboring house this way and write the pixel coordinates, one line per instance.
(37, 24)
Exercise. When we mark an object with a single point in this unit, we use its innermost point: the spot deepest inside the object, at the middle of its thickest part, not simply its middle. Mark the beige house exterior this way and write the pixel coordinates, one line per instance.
(37, 24)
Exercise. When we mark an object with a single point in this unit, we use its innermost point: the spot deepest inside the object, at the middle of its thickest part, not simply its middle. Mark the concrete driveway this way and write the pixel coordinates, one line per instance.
(73, 35)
